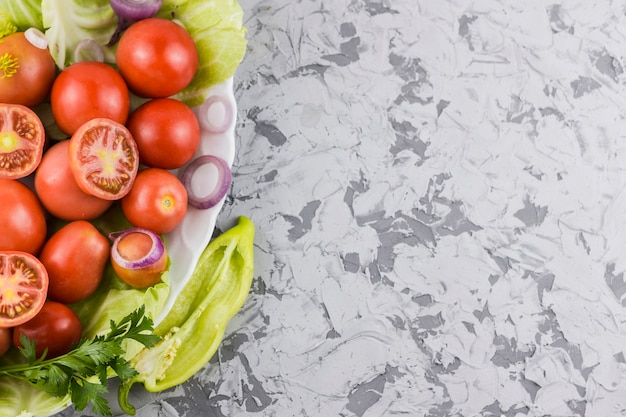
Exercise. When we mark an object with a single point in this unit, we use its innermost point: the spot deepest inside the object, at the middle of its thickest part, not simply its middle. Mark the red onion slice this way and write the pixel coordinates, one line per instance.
(191, 180)
(152, 257)
(215, 114)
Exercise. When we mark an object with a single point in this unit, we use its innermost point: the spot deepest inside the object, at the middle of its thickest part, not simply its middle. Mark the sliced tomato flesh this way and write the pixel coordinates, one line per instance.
(23, 287)
(22, 138)
(104, 158)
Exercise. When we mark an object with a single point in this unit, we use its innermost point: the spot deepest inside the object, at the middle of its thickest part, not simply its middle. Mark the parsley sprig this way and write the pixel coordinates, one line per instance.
(83, 371)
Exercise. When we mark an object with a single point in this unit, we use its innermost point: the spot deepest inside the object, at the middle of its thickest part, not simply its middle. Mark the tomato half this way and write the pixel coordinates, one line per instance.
(22, 139)
(54, 178)
(56, 328)
(156, 57)
(75, 257)
(23, 226)
(26, 71)
(157, 201)
(104, 159)
(23, 287)
(87, 90)
(167, 133)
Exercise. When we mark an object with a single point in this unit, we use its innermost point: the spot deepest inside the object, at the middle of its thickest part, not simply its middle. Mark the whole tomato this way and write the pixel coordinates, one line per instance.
(54, 178)
(156, 57)
(23, 226)
(167, 133)
(26, 71)
(157, 201)
(104, 158)
(75, 257)
(87, 90)
(56, 327)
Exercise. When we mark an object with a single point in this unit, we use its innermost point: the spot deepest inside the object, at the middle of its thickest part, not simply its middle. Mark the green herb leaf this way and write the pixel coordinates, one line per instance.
(83, 371)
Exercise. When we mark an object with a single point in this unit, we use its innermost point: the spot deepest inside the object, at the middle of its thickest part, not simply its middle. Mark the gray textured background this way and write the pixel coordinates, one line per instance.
(437, 188)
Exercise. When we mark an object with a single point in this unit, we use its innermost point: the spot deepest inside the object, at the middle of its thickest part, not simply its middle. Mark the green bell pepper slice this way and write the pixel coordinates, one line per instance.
(193, 329)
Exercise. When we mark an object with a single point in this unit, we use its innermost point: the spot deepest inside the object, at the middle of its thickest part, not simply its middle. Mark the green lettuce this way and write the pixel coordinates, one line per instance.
(17, 398)
(67, 23)
(23, 13)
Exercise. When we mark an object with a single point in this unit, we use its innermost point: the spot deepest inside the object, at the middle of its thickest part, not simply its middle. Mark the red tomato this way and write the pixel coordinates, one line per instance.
(54, 178)
(5, 339)
(26, 71)
(166, 131)
(23, 285)
(158, 201)
(104, 159)
(22, 138)
(156, 57)
(132, 247)
(23, 225)
(56, 328)
(85, 91)
(75, 258)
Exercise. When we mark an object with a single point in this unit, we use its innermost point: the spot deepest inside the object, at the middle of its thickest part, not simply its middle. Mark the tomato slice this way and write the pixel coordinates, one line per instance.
(23, 287)
(22, 138)
(104, 158)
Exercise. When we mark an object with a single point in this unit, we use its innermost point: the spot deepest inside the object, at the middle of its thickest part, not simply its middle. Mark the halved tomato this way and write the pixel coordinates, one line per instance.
(22, 138)
(23, 287)
(104, 158)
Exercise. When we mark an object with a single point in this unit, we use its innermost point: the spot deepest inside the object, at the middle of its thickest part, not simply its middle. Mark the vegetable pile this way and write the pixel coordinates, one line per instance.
(102, 106)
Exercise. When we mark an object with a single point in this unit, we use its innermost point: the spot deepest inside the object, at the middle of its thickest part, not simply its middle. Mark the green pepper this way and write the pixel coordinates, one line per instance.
(193, 329)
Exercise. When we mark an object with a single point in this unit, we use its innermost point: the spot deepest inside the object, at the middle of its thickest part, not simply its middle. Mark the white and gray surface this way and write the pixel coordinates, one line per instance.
(438, 191)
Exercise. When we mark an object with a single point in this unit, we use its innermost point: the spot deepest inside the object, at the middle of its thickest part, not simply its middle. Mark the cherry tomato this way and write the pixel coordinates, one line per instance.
(158, 201)
(54, 178)
(6, 335)
(26, 71)
(104, 159)
(22, 139)
(156, 57)
(75, 257)
(23, 225)
(56, 328)
(23, 287)
(166, 131)
(132, 247)
(87, 90)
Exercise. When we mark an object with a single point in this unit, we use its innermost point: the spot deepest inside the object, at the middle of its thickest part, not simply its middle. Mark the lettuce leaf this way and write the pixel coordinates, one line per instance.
(24, 13)
(17, 398)
(67, 23)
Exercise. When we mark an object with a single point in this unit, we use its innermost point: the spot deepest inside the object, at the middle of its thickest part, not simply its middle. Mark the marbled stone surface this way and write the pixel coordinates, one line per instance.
(438, 190)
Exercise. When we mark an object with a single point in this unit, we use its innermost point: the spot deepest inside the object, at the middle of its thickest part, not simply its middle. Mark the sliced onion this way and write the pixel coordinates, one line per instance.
(36, 38)
(215, 114)
(134, 10)
(190, 179)
(88, 50)
(130, 11)
(152, 257)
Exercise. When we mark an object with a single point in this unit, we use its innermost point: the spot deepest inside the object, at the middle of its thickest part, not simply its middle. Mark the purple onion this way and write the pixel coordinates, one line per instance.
(205, 117)
(130, 11)
(224, 179)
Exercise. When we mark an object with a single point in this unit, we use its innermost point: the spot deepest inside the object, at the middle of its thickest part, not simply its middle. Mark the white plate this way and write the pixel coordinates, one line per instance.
(186, 243)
